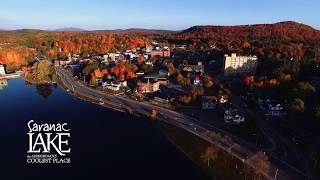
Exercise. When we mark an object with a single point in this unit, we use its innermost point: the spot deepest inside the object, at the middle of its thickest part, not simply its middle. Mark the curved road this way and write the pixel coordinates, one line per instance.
(239, 149)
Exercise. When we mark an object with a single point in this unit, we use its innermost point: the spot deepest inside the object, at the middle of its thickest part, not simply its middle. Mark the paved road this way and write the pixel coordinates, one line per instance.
(236, 146)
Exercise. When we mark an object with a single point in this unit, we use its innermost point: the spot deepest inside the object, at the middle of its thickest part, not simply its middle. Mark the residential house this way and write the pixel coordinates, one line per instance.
(161, 52)
(161, 76)
(199, 68)
(2, 70)
(197, 80)
(112, 86)
(233, 116)
(209, 102)
(222, 99)
(148, 86)
(271, 108)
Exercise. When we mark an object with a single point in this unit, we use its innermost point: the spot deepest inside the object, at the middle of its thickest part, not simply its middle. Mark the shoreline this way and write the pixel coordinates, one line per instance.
(247, 156)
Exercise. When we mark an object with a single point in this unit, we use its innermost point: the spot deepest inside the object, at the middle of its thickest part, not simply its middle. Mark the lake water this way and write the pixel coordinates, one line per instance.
(105, 144)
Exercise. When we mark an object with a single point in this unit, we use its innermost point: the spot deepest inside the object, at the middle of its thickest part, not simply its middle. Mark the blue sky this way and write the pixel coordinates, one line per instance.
(157, 14)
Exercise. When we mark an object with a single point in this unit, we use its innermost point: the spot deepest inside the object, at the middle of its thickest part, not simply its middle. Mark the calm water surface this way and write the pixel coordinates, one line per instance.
(105, 144)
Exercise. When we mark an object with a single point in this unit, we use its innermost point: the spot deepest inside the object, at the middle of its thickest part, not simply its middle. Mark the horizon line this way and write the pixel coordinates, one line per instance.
(79, 29)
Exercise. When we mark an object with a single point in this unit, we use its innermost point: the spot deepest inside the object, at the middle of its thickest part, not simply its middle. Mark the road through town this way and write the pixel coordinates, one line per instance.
(233, 145)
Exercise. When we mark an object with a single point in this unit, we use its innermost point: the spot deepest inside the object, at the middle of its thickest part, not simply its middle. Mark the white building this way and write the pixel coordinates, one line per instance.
(222, 99)
(239, 64)
(233, 116)
(2, 70)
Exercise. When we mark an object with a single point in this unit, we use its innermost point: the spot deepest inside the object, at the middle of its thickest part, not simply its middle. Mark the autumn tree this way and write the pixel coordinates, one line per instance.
(208, 82)
(304, 90)
(262, 165)
(209, 154)
(181, 80)
(297, 105)
(171, 68)
(317, 112)
(153, 114)
(185, 99)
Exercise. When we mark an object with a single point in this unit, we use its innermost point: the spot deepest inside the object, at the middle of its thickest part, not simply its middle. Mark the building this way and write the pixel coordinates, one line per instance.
(160, 52)
(112, 86)
(233, 116)
(197, 81)
(199, 68)
(209, 102)
(222, 99)
(149, 86)
(2, 70)
(239, 64)
(271, 108)
(161, 76)
(61, 63)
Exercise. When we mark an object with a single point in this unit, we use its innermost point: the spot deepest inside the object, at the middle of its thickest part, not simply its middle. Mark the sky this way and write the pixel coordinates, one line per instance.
(153, 14)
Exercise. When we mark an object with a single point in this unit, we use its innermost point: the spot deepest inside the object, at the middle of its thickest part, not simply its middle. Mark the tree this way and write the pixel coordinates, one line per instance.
(262, 165)
(181, 80)
(208, 82)
(184, 99)
(317, 112)
(215, 136)
(89, 67)
(153, 115)
(248, 80)
(171, 68)
(45, 90)
(297, 105)
(209, 154)
(304, 90)
(42, 71)
(195, 92)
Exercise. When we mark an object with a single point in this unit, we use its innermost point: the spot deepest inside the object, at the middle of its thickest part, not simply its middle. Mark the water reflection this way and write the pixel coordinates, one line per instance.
(105, 144)
(3, 83)
(45, 90)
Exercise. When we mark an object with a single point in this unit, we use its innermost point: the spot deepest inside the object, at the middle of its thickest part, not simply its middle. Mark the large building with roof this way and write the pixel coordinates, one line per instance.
(234, 65)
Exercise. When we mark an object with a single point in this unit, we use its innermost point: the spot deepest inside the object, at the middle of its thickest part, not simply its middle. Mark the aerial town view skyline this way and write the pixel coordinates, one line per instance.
(191, 90)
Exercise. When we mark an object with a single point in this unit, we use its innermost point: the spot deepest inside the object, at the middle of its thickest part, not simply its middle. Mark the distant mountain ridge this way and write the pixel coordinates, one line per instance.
(290, 25)
(286, 28)
(70, 29)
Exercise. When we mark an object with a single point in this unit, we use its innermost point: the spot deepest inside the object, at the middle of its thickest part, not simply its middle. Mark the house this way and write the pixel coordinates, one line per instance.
(148, 63)
(140, 73)
(234, 64)
(161, 76)
(149, 86)
(62, 62)
(209, 102)
(222, 99)
(199, 68)
(112, 86)
(123, 83)
(161, 52)
(2, 70)
(197, 80)
(181, 46)
(163, 97)
(275, 110)
(233, 116)
(271, 108)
